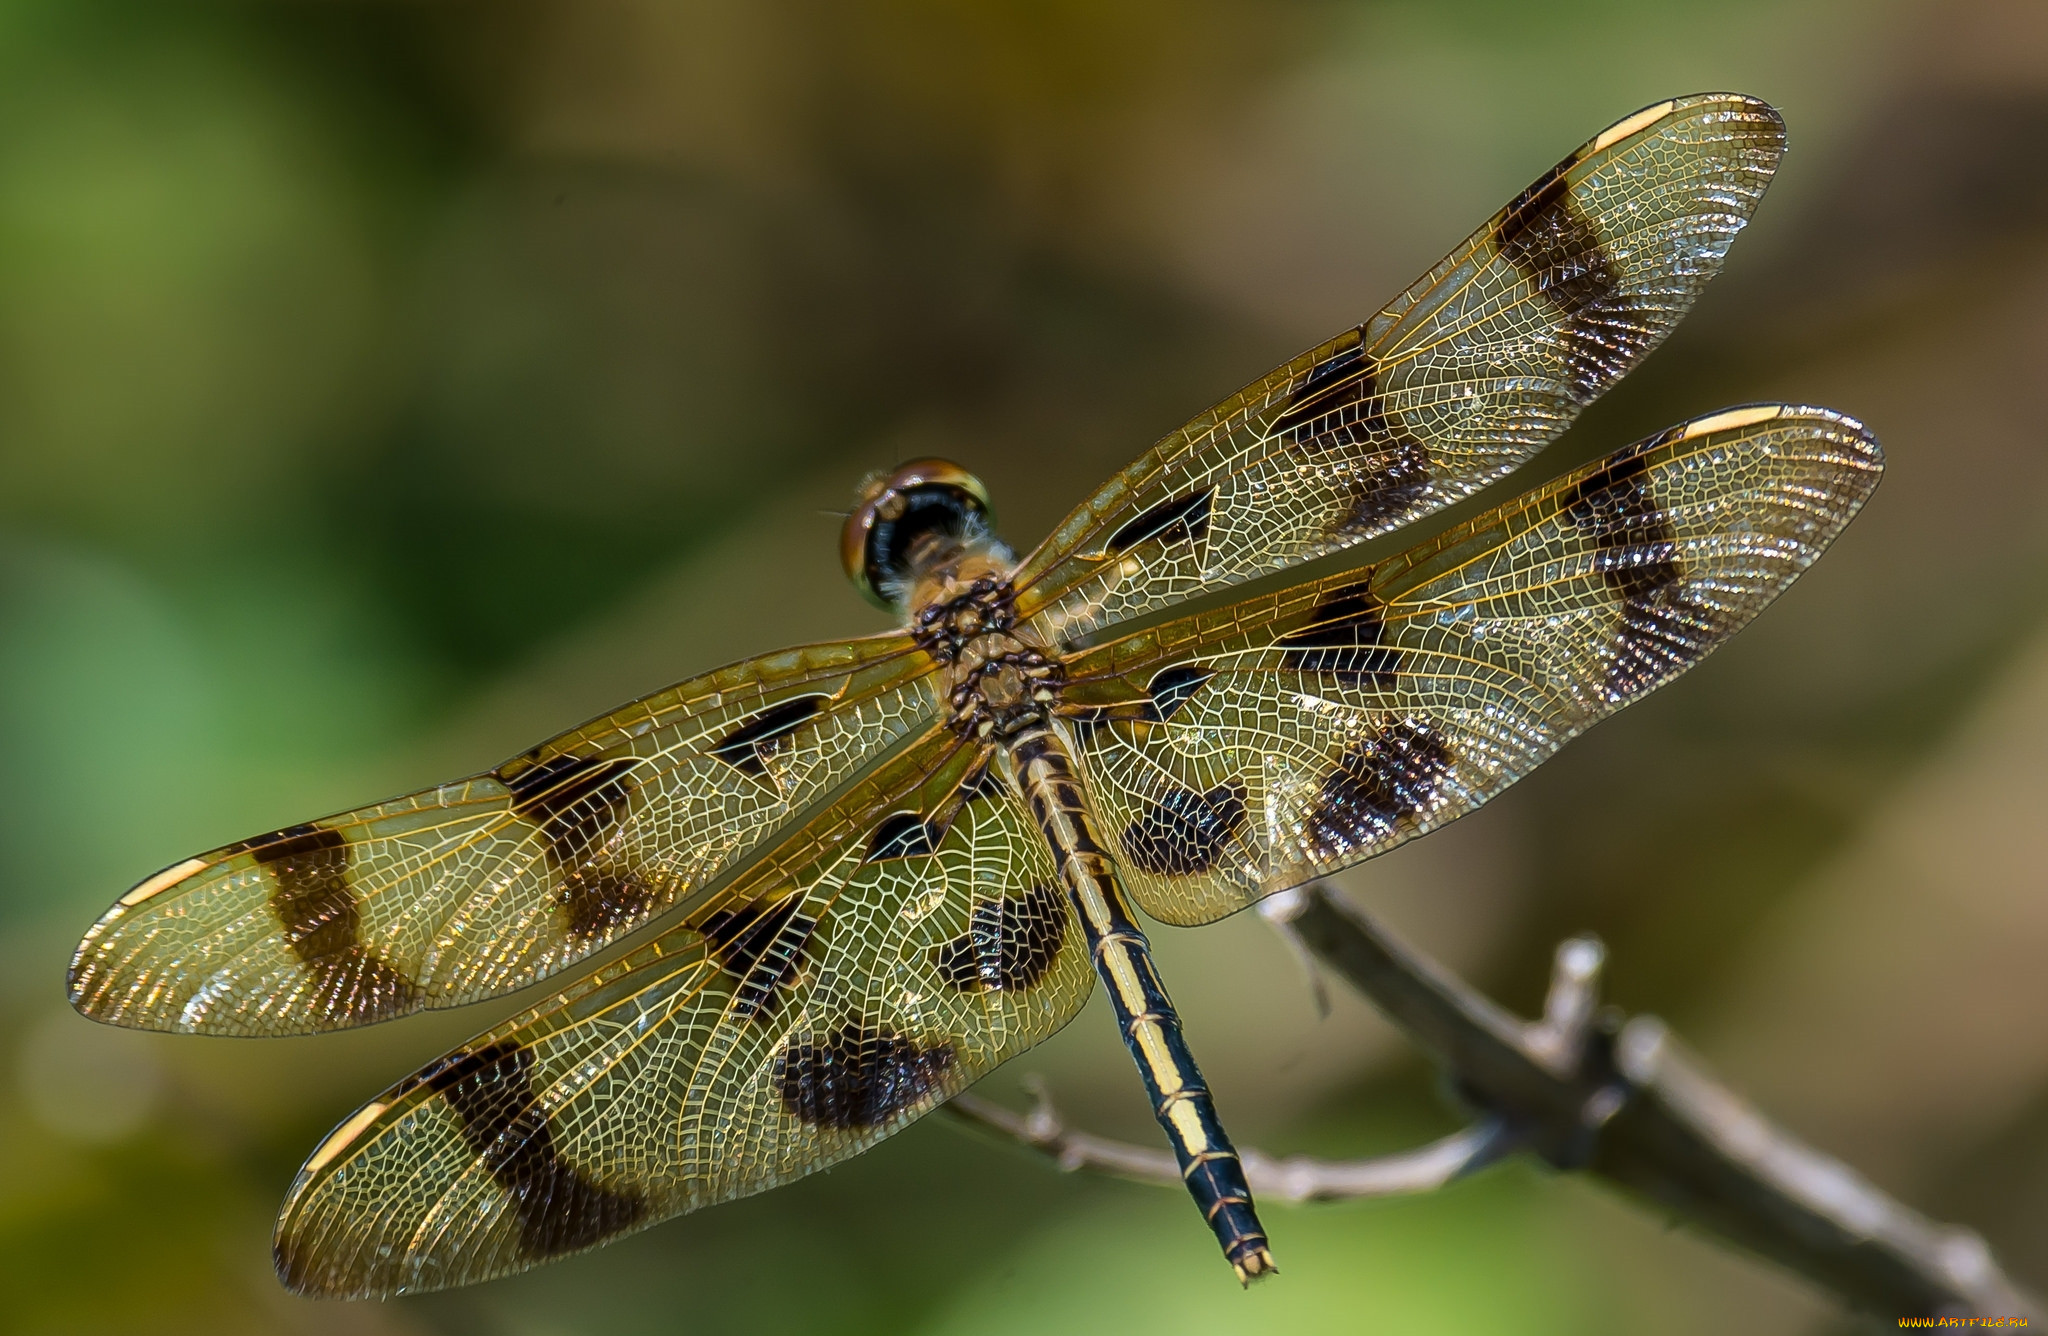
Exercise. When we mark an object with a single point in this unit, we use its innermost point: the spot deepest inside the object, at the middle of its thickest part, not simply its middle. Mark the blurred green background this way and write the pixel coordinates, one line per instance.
(385, 386)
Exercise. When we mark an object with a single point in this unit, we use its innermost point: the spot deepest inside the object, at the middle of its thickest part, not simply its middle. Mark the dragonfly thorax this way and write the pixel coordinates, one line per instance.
(1001, 685)
(999, 681)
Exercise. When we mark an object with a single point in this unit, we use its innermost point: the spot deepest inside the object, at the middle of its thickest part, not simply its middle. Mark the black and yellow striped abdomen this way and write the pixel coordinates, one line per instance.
(1151, 1029)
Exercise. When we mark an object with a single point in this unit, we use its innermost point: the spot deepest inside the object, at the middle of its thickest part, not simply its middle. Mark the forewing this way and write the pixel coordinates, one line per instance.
(1234, 754)
(904, 944)
(489, 883)
(1466, 375)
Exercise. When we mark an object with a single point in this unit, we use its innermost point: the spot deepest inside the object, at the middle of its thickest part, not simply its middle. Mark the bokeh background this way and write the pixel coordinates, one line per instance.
(384, 386)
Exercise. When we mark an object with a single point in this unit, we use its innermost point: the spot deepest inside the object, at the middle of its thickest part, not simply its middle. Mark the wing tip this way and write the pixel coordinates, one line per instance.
(1748, 415)
(1847, 426)
(135, 1007)
(85, 985)
(1657, 113)
(75, 992)
(1748, 103)
(307, 1270)
(305, 1266)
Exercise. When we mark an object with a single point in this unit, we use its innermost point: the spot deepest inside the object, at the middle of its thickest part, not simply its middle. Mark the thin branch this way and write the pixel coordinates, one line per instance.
(1278, 910)
(1627, 1103)
(1298, 1178)
(1585, 1091)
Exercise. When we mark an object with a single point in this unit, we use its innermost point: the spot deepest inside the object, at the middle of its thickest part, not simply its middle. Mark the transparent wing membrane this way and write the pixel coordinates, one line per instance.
(486, 884)
(1456, 383)
(902, 946)
(1241, 751)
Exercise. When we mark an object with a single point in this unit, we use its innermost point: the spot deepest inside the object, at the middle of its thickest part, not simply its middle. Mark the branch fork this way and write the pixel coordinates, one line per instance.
(1586, 1089)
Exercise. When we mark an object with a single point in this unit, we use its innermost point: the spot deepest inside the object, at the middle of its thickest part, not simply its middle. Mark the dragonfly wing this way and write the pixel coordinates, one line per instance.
(910, 939)
(1235, 753)
(484, 885)
(1486, 359)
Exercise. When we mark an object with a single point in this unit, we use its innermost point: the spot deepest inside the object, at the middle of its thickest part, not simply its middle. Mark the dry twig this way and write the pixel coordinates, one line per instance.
(1297, 1178)
(1586, 1089)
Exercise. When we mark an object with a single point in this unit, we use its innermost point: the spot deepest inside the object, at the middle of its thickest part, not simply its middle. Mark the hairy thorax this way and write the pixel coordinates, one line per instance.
(999, 681)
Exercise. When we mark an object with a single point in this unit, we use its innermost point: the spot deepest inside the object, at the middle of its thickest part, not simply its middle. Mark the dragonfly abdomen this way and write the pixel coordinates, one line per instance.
(1145, 1015)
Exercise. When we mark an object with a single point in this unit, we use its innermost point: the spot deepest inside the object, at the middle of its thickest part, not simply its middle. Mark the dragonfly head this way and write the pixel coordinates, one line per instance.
(912, 522)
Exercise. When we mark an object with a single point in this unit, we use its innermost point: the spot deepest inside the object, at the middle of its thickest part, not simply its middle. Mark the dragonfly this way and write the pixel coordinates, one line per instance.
(887, 865)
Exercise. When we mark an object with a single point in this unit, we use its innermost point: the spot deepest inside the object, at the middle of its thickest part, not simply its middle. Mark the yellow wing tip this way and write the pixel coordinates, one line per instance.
(1851, 434)
(1650, 116)
(1635, 124)
(1731, 419)
(339, 1139)
(162, 881)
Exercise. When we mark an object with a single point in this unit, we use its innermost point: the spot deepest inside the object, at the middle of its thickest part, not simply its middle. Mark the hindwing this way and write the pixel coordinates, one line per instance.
(1238, 752)
(834, 993)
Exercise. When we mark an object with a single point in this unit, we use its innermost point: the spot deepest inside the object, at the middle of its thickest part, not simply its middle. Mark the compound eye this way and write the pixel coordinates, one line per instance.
(923, 498)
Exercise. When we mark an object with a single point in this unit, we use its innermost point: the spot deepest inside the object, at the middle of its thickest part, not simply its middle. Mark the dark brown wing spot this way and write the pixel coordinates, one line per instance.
(760, 946)
(313, 902)
(902, 835)
(1185, 519)
(1166, 695)
(1009, 944)
(858, 1077)
(490, 1091)
(574, 797)
(1638, 550)
(1395, 775)
(1386, 486)
(1542, 211)
(748, 747)
(309, 866)
(1663, 631)
(1171, 688)
(1332, 407)
(576, 800)
(599, 902)
(1340, 407)
(1342, 638)
(1183, 832)
(1545, 237)
(1605, 332)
